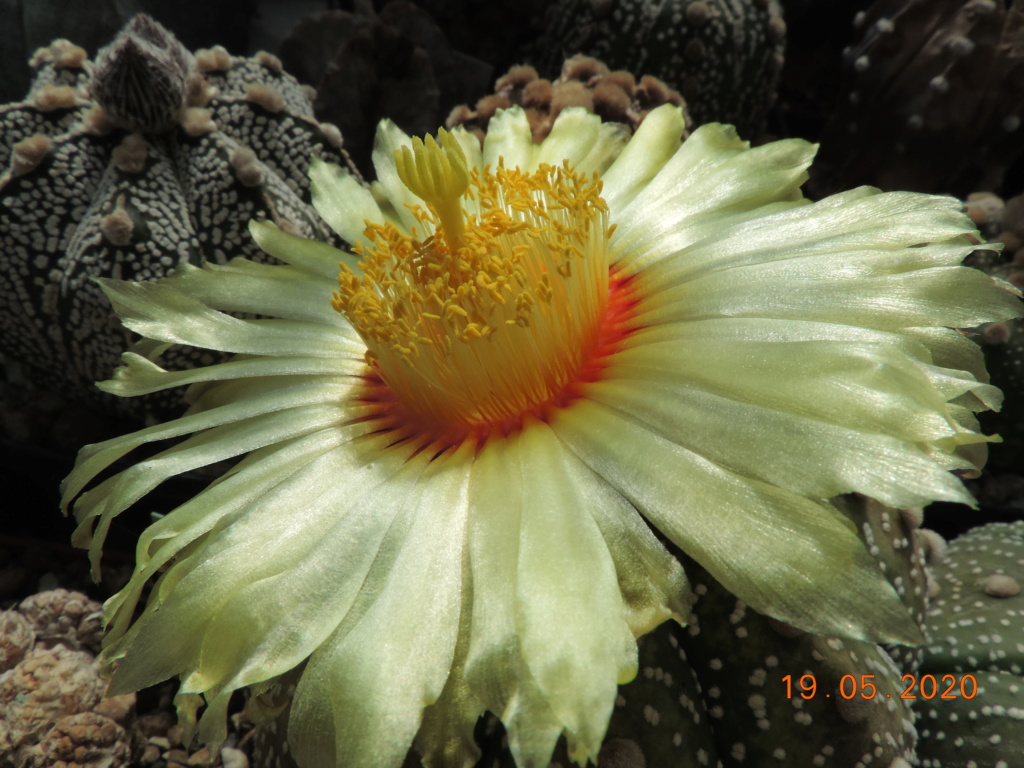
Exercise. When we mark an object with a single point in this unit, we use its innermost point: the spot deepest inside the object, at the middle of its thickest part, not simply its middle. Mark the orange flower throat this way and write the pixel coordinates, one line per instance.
(499, 312)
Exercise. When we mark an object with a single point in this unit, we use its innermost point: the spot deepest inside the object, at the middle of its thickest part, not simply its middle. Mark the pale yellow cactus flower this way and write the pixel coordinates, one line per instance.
(463, 454)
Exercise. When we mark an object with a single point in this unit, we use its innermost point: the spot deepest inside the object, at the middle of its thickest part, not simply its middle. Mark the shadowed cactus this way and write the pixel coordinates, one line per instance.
(724, 56)
(128, 167)
(976, 628)
(933, 99)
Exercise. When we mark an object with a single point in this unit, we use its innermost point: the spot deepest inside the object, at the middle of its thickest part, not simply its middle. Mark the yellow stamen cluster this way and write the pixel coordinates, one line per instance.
(496, 310)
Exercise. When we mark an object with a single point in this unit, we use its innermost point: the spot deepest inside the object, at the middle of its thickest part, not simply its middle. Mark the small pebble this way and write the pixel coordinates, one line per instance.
(150, 755)
(176, 756)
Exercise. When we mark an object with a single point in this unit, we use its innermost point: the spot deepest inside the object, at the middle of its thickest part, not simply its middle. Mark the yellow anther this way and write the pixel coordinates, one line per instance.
(521, 283)
(439, 174)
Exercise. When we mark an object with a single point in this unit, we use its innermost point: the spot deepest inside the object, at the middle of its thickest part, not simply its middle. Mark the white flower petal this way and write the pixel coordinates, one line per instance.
(261, 591)
(115, 494)
(232, 493)
(808, 455)
(550, 558)
(786, 555)
(579, 137)
(865, 386)
(391, 655)
(655, 141)
(953, 296)
(310, 255)
(612, 138)
(267, 289)
(804, 250)
(495, 670)
(510, 140)
(713, 178)
(390, 138)
(342, 201)
(138, 375)
(313, 392)
(470, 147)
(162, 312)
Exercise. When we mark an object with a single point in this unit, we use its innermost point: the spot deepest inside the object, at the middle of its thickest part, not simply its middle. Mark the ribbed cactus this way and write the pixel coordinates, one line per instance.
(976, 653)
(129, 166)
(724, 56)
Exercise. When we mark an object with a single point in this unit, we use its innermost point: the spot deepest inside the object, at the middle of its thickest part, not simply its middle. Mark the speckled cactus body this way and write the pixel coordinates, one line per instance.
(724, 56)
(125, 168)
(976, 627)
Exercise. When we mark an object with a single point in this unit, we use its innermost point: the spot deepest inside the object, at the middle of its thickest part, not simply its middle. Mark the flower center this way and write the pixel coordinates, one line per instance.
(497, 309)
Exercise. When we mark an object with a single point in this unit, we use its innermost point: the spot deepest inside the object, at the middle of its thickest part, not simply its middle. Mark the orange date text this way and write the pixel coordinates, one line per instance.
(864, 687)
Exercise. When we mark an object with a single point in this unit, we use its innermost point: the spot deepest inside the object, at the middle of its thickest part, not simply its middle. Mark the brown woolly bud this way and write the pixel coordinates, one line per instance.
(537, 94)
(582, 68)
(130, 155)
(198, 92)
(517, 78)
(309, 92)
(540, 123)
(995, 334)
(933, 544)
(265, 96)
(698, 13)
(270, 61)
(610, 101)
(54, 97)
(1000, 585)
(332, 134)
(40, 57)
(85, 740)
(488, 105)
(651, 92)
(570, 94)
(247, 168)
(459, 115)
(196, 121)
(118, 227)
(16, 638)
(984, 207)
(1011, 244)
(621, 78)
(28, 153)
(216, 59)
(913, 517)
(67, 55)
(96, 122)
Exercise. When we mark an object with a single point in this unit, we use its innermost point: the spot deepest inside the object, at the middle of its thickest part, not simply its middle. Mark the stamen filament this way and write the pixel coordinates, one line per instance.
(496, 312)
